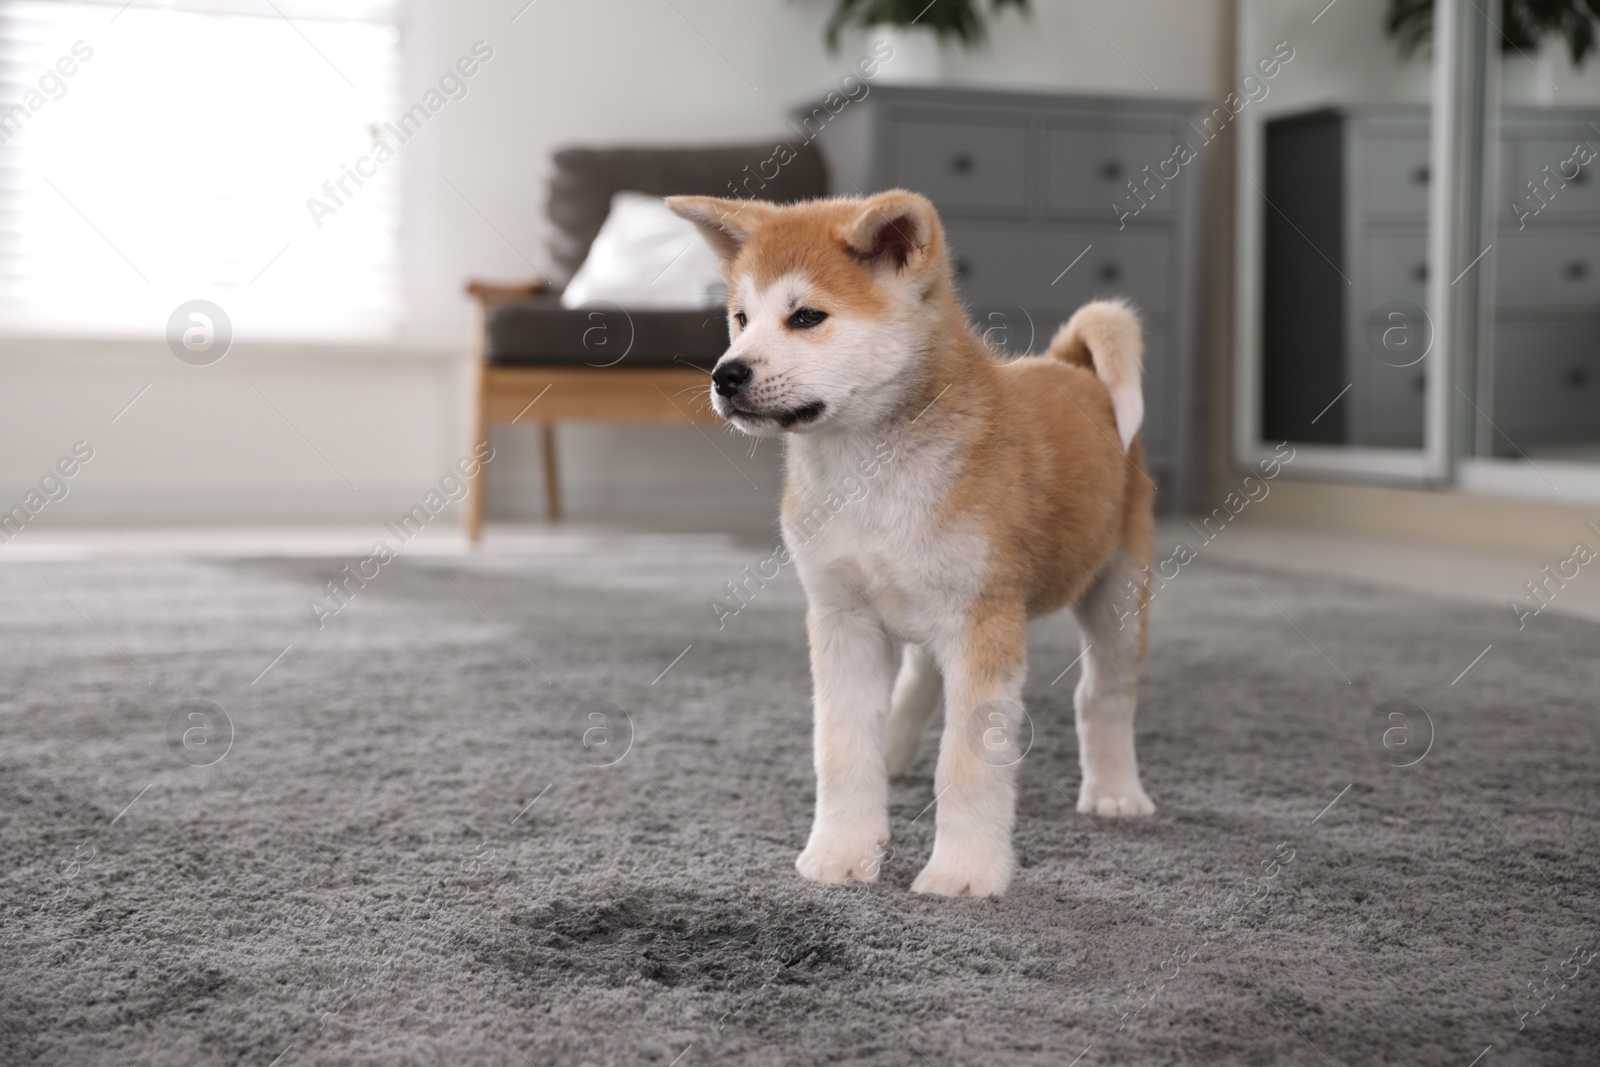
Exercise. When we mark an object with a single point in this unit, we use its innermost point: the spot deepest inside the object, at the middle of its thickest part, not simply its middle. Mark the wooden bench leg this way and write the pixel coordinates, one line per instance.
(474, 514)
(478, 484)
(552, 482)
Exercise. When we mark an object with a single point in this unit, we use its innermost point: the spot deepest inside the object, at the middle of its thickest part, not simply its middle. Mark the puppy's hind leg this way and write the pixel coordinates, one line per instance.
(1113, 625)
(916, 693)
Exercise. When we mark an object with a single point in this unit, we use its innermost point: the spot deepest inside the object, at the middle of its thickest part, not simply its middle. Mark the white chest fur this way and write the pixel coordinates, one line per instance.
(866, 519)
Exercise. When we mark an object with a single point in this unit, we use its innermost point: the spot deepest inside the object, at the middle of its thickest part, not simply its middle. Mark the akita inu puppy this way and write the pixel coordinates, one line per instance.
(1016, 488)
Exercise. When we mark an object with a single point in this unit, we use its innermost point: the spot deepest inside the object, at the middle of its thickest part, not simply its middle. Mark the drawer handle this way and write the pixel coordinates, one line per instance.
(961, 266)
(1111, 170)
(963, 163)
(1110, 272)
(1576, 377)
(1420, 175)
(1419, 273)
(1576, 271)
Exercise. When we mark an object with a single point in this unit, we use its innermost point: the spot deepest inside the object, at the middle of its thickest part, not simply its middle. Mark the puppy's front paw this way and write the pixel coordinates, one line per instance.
(966, 871)
(844, 857)
(1114, 798)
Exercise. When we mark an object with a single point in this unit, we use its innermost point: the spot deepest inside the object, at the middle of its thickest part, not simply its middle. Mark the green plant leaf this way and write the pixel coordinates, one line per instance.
(1524, 25)
(958, 20)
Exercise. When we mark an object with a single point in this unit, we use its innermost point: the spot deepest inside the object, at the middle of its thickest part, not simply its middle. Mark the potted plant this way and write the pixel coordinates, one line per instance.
(1524, 26)
(915, 30)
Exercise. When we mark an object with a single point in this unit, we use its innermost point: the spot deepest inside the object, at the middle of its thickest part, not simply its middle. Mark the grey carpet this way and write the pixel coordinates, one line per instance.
(362, 879)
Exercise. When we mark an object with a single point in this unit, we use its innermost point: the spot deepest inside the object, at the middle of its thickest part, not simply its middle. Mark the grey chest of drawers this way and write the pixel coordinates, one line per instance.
(1349, 235)
(1049, 201)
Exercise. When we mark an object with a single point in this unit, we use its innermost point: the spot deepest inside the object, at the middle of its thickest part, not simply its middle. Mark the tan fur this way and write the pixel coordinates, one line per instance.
(1013, 493)
(1046, 475)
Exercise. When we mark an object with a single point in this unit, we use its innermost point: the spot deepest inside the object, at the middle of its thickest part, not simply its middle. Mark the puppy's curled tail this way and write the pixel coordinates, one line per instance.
(1105, 337)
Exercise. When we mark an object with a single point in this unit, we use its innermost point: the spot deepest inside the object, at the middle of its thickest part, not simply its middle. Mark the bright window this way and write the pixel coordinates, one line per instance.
(155, 154)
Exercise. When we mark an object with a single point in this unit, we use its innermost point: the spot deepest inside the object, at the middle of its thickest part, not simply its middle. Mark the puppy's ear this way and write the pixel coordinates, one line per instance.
(897, 229)
(725, 224)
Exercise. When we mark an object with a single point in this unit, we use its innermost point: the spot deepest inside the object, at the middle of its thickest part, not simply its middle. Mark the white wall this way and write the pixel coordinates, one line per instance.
(202, 444)
(272, 432)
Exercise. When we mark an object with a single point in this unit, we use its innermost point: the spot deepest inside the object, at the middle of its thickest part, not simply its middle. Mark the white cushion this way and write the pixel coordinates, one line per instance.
(646, 257)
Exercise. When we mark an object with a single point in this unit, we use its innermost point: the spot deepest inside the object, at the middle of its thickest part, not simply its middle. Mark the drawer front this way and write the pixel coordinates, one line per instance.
(1546, 375)
(1089, 170)
(1549, 270)
(1579, 194)
(963, 164)
(1039, 267)
(1387, 404)
(1397, 269)
(1396, 175)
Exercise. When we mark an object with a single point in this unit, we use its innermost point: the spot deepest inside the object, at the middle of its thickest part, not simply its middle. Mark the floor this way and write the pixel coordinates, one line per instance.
(1451, 573)
(540, 804)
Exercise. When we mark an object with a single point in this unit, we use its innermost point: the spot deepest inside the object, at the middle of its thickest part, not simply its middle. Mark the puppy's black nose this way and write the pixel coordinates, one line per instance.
(729, 376)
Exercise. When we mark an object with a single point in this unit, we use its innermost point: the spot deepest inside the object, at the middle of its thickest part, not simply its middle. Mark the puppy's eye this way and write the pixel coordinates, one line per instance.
(806, 318)
(738, 316)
